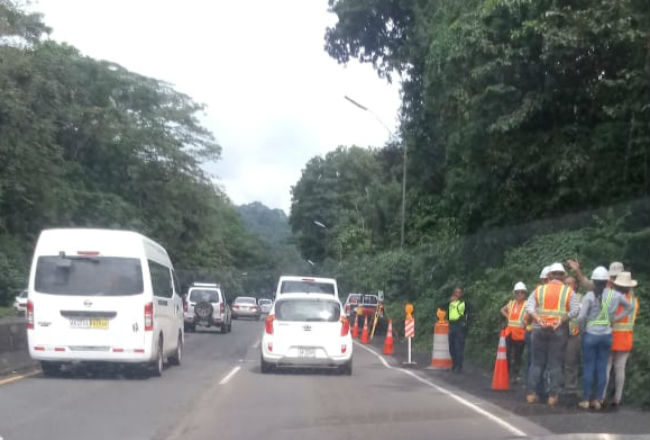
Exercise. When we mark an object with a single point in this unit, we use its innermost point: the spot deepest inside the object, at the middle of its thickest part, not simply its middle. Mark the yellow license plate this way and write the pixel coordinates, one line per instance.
(100, 324)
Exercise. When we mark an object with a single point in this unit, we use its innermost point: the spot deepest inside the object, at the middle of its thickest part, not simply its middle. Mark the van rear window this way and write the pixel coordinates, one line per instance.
(306, 287)
(307, 310)
(92, 276)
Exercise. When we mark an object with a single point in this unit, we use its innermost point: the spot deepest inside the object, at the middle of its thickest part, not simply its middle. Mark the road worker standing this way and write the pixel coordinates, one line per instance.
(550, 306)
(573, 347)
(515, 311)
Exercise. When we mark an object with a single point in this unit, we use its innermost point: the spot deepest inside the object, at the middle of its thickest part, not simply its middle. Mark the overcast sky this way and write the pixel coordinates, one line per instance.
(274, 97)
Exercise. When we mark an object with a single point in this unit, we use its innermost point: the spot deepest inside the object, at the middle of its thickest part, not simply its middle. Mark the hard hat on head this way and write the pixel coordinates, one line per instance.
(624, 279)
(556, 268)
(600, 274)
(615, 268)
(544, 273)
(520, 286)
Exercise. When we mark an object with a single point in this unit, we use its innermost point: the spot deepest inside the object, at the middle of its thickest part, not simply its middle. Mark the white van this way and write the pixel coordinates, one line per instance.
(103, 295)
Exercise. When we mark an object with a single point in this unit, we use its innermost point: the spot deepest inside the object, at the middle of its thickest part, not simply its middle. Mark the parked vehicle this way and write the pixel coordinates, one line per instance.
(350, 306)
(206, 305)
(246, 307)
(20, 303)
(98, 295)
(295, 284)
(307, 330)
(265, 305)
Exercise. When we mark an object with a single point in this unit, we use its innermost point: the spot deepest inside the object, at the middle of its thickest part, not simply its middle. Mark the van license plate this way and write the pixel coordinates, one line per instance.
(307, 352)
(100, 324)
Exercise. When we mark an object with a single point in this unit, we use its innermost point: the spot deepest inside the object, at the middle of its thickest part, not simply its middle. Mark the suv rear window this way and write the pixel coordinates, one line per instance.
(199, 295)
(307, 310)
(91, 276)
(305, 286)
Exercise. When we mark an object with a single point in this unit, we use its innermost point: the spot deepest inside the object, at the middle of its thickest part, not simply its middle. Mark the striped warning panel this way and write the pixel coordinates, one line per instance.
(409, 328)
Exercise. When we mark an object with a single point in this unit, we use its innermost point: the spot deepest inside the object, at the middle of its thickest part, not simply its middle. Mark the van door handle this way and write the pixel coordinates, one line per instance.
(162, 302)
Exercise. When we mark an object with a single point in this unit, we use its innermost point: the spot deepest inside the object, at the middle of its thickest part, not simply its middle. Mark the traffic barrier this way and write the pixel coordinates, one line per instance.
(500, 377)
(355, 329)
(388, 342)
(365, 339)
(440, 356)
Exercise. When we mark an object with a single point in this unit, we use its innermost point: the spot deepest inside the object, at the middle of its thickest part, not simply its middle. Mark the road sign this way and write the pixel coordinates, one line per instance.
(409, 328)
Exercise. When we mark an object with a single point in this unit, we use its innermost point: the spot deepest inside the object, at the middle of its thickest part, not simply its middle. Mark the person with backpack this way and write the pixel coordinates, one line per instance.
(597, 313)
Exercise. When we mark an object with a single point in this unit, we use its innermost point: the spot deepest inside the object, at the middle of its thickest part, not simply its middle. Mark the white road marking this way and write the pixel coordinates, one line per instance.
(467, 403)
(229, 376)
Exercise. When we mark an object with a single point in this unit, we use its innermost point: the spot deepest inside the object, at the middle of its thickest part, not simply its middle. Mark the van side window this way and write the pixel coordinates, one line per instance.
(161, 280)
(177, 284)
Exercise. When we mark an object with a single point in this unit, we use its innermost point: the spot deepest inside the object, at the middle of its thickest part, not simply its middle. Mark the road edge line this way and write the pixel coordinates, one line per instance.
(511, 428)
(12, 379)
(230, 375)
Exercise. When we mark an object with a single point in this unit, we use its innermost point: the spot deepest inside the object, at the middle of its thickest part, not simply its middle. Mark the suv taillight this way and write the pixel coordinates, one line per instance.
(148, 317)
(222, 308)
(186, 306)
(30, 314)
(345, 326)
(269, 324)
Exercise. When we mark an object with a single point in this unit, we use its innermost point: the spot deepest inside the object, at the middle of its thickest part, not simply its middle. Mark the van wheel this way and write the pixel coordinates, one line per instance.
(178, 354)
(50, 369)
(265, 367)
(156, 367)
(190, 328)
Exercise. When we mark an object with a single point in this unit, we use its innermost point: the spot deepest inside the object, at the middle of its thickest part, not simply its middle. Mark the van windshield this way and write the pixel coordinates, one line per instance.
(306, 286)
(96, 276)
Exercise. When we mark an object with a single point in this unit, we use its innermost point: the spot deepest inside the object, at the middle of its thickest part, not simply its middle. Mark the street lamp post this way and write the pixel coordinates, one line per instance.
(390, 135)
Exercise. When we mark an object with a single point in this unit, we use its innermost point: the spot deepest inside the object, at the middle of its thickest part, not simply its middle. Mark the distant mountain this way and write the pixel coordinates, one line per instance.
(272, 225)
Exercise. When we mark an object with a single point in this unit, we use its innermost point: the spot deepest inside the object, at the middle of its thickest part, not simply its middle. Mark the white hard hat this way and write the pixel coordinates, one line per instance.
(600, 274)
(520, 286)
(544, 273)
(556, 267)
(615, 268)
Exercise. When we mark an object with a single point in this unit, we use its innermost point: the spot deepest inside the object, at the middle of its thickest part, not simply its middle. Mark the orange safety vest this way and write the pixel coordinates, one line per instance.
(623, 330)
(516, 328)
(553, 301)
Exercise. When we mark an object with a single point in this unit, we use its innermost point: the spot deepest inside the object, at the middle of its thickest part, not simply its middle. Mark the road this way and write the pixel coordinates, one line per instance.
(219, 392)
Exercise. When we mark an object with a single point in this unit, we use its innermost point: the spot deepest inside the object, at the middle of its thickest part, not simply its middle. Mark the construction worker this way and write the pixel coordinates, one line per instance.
(515, 311)
(551, 306)
(458, 312)
(622, 335)
(598, 312)
(573, 346)
(543, 279)
(615, 268)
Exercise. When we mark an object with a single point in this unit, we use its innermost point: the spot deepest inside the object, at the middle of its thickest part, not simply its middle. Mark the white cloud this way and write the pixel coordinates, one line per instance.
(274, 97)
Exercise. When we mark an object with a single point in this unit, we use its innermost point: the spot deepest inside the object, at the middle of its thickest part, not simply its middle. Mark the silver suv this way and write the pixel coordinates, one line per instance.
(206, 305)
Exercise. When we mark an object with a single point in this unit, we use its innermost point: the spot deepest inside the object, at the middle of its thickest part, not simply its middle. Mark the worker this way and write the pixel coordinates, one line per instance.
(597, 313)
(573, 346)
(551, 306)
(458, 311)
(514, 311)
(543, 279)
(622, 335)
(615, 268)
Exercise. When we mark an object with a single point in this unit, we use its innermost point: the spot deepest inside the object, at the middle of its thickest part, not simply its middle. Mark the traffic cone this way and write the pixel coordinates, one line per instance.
(364, 334)
(440, 357)
(388, 342)
(355, 329)
(500, 377)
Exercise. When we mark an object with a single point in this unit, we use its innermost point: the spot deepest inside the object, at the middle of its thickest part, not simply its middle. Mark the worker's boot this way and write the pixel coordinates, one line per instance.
(584, 404)
(552, 400)
(596, 405)
(532, 398)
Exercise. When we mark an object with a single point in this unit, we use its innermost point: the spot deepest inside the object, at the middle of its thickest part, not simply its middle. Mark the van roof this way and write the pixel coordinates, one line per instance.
(307, 278)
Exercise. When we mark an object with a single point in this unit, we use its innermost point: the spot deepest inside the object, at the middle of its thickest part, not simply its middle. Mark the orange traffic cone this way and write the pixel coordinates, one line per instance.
(355, 329)
(440, 357)
(388, 342)
(500, 377)
(364, 334)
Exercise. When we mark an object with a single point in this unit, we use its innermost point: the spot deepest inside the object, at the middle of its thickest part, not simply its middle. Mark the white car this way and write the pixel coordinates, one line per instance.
(98, 295)
(299, 284)
(206, 305)
(265, 305)
(307, 330)
(20, 303)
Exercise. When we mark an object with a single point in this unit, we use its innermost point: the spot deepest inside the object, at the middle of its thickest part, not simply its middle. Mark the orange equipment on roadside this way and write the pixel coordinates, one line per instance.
(440, 357)
(355, 329)
(388, 342)
(365, 339)
(500, 378)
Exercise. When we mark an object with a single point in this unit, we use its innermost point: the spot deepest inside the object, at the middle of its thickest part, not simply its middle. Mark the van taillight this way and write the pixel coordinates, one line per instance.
(222, 308)
(30, 314)
(345, 326)
(269, 324)
(148, 317)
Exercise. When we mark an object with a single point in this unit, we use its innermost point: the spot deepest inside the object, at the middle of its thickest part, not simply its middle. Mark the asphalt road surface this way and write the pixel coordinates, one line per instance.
(219, 393)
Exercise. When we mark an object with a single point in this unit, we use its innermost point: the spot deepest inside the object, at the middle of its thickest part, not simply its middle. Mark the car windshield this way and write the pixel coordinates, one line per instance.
(245, 300)
(354, 299)
(96, 276)
(370, 299)
(199, 295)
(306, 286)
(306, 310)
(265, 302)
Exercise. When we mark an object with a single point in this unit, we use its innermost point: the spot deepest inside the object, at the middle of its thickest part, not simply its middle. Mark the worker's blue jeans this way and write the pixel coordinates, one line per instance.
(595, 352)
